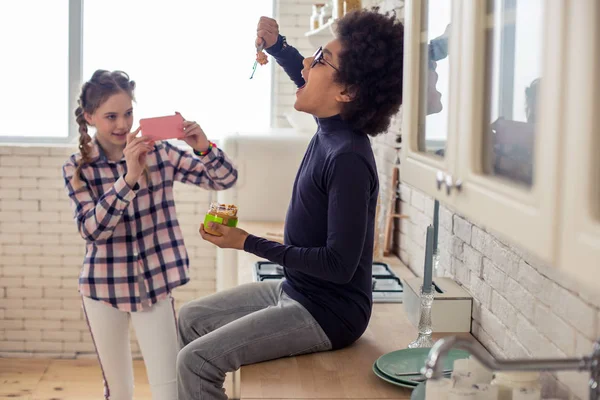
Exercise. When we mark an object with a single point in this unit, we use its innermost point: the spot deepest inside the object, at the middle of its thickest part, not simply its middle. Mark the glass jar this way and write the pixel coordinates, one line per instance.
(481, 375)
(438, 389)
(507, 381)
(350, 5)
(225, 214)
(338, 9)
(325, 14)
(462, 394)
(314, 18)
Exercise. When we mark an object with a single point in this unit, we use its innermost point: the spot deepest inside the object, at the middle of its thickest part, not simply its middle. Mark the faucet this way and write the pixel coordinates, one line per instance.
(433, 364)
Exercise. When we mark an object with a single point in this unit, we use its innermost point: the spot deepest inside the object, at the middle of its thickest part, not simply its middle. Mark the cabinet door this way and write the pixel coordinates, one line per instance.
(431, 66)
(580, 233)
(510, 119)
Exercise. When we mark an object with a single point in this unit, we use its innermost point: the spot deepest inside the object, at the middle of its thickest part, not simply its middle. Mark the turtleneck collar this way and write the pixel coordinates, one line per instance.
(332, 124)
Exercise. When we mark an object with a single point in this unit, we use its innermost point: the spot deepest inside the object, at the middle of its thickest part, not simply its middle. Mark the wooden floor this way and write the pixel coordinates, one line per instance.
(44, 379)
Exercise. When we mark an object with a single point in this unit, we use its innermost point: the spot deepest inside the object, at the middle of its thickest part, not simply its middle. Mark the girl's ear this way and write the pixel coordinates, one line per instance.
(88, 118)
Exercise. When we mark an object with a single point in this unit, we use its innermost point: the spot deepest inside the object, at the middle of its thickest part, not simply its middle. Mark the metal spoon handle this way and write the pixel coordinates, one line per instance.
(413, 373)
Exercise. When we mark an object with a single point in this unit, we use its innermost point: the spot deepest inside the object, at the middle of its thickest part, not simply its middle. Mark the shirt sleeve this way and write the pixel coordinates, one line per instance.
(290, 60)
(97, 218)
(350, 184)
(214, 171)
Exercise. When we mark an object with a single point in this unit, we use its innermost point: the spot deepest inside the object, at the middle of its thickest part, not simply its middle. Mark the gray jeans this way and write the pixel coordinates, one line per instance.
(244, 325)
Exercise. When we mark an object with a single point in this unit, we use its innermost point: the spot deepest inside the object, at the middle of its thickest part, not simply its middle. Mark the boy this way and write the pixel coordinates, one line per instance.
(352, 86)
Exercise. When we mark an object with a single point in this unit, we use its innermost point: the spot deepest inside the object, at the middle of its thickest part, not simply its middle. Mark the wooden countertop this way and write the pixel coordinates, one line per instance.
(342, 374)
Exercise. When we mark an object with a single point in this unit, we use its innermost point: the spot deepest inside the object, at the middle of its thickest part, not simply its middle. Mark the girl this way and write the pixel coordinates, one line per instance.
(121, 190)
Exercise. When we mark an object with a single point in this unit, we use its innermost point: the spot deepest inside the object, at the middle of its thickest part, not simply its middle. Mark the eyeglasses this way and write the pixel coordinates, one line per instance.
(319, 59)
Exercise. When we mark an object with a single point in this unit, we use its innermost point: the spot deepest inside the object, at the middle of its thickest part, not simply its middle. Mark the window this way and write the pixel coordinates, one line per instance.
(34, 99)
(184, 55)
(514, 76)
(434, 79)
(191, 56)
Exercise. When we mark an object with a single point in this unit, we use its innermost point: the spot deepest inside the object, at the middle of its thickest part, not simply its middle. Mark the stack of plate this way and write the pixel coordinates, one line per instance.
(403, 367)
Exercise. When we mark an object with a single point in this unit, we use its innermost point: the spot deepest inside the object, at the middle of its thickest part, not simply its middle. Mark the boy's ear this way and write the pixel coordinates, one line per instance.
(347, 95)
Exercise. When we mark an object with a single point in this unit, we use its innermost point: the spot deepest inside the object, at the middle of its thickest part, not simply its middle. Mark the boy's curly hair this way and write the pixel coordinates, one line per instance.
(371, 63)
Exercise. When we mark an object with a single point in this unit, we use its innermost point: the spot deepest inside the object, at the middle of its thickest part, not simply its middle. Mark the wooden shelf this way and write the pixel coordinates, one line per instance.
(323, 34)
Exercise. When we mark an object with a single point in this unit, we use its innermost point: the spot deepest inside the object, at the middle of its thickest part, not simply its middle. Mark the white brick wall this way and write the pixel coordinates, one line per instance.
(41, 253)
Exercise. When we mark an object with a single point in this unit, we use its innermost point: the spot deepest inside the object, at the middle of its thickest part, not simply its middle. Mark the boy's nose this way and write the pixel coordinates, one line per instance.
(307, 61)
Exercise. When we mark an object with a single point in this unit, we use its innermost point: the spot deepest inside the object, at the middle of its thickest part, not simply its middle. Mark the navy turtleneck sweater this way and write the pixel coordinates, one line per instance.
(328, 251)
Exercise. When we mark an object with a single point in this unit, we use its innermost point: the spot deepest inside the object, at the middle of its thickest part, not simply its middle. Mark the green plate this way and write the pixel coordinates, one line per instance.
(396, 382)
(400, 380)
(412, 360)
(419, 392)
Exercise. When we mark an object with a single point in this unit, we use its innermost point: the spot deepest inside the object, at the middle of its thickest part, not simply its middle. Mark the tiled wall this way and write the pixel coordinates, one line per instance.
(522, 308)
(41, 253)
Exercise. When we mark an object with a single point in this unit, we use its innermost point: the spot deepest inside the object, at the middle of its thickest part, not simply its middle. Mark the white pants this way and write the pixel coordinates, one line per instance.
(156, 332)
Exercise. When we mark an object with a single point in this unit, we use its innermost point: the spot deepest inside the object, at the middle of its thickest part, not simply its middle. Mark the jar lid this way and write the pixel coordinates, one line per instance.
(227, 209)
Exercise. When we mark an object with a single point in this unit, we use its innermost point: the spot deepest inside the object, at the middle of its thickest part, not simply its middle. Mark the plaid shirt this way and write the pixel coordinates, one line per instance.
(135, 254)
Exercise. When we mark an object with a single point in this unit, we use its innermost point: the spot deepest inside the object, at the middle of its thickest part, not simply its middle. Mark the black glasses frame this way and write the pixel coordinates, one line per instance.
(318, 58)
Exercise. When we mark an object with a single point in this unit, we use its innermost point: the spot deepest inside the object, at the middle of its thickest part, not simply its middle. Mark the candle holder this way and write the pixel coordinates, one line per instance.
(424, 339)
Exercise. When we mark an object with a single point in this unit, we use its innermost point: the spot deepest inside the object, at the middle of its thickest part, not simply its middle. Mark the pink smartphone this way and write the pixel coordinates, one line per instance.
(163, 128)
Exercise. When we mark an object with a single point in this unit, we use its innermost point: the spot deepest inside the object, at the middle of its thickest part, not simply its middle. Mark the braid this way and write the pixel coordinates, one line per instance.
(84, 144)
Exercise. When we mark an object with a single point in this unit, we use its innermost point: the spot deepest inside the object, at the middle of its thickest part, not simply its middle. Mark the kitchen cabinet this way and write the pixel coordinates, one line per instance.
(429, 116)
(500, 118)
(579, 249)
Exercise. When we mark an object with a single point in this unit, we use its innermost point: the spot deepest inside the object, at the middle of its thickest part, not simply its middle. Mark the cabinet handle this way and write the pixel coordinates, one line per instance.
(458, 185)
(439, 179)
(447, 180)
(449, 184)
